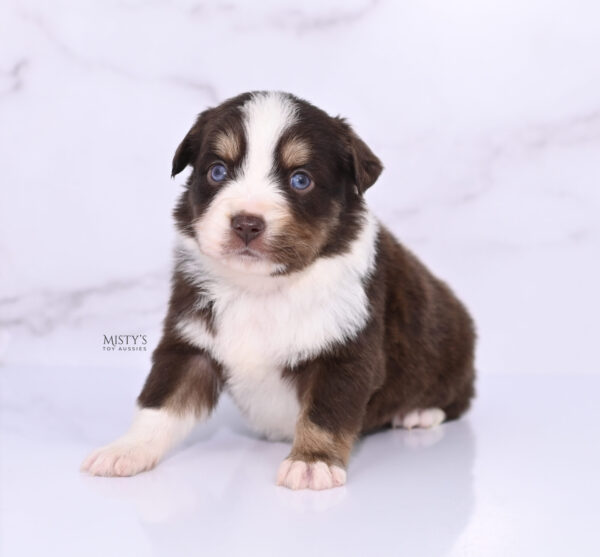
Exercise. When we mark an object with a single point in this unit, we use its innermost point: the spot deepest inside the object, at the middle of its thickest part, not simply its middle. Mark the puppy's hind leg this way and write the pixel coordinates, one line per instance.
(182, 388)
(426, 418)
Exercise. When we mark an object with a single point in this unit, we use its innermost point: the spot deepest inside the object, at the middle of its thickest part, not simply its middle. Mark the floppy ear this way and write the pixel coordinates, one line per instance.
(190, 146)
(365, 164)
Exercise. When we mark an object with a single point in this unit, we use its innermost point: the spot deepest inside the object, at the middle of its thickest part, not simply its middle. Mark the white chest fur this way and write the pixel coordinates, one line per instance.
(260, 331)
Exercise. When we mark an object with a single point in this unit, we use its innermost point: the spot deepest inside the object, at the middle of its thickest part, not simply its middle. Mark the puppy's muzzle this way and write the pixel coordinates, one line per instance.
(248, 227)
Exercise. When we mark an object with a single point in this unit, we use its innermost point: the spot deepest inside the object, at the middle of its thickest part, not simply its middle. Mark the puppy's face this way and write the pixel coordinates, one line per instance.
(276, 183)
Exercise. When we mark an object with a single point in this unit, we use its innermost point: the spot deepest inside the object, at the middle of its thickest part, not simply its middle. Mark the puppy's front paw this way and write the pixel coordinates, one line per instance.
(297, 474)
(121, 458)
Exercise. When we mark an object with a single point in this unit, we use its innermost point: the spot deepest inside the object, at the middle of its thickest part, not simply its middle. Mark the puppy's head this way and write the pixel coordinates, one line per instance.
(276, 183)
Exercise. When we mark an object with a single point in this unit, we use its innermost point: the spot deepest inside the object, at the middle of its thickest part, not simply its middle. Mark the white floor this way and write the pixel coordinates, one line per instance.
(517, 476)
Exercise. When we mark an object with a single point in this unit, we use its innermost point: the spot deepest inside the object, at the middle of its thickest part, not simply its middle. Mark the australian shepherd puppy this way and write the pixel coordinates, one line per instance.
(288, 293)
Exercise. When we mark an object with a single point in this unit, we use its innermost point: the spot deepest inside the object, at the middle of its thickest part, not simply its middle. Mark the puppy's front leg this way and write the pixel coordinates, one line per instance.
(183, 387)
(333, 410)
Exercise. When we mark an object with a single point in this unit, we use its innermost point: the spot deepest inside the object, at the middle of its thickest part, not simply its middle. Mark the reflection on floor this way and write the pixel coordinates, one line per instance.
(515, 477)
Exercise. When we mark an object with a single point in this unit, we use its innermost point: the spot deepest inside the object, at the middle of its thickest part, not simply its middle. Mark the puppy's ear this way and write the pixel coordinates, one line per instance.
(189, 148)
(366, 166)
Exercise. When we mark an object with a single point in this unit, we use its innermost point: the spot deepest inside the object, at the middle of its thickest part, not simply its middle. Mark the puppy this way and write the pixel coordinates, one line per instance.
(289, 294)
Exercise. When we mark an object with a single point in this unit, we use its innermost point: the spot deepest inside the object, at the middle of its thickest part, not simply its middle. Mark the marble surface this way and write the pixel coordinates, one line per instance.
(517, 476)
(486, 115)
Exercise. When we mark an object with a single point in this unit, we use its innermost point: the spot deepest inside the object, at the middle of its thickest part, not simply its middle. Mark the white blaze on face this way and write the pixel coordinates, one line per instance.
(255, 190)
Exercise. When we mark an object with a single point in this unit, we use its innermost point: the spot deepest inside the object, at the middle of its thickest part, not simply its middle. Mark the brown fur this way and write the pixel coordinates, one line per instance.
(311, 443)
(182, 376)
(415, 352)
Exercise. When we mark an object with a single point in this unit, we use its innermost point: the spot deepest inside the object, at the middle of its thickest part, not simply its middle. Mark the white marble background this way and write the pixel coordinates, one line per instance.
(485, 113)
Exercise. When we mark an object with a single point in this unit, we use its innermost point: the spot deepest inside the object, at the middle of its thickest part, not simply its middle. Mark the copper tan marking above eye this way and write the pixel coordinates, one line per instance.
(227, 145)
(295, 152)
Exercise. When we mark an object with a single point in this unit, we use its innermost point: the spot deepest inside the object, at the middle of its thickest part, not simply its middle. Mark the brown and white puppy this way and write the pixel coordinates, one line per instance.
(288, 293)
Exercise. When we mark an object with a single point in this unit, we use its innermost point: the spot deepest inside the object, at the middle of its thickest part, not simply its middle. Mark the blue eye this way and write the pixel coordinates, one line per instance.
(218, 172)
(300, 181)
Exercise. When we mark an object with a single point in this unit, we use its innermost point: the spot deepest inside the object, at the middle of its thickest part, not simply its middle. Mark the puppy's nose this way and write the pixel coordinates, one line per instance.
(247, 227)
